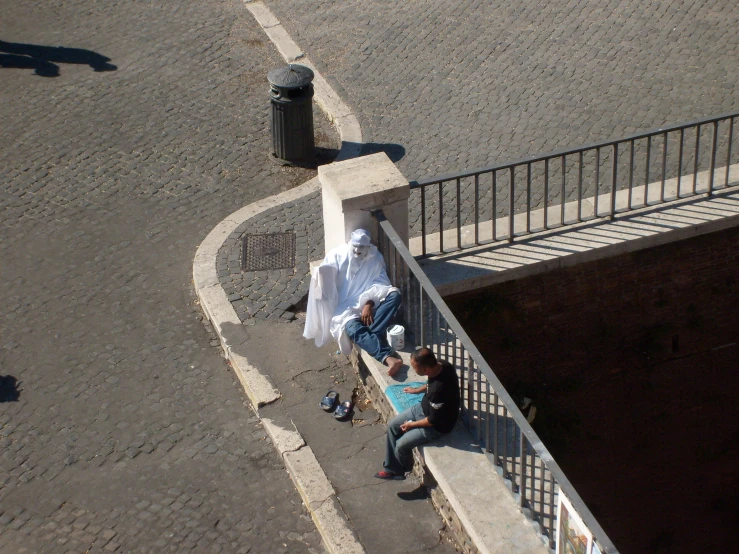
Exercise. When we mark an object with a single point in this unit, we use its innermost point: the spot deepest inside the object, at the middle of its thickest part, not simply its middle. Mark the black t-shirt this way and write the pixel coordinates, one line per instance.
(441, 401)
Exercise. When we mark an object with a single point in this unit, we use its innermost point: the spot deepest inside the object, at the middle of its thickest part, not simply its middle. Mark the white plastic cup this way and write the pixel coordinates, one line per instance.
(396, 337)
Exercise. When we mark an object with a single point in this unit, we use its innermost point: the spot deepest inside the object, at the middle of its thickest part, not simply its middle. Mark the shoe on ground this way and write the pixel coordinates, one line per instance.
(387, 476)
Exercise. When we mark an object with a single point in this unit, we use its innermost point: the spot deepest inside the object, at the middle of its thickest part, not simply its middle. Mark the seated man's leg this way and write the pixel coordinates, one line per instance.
(392, 464)
(366, 339)
(384, 313)
(374, 344)
(372, 339)
(403, 444)
(381, 321)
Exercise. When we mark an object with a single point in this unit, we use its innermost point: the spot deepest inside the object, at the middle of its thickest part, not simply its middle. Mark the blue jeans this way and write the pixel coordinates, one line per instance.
(372, 339)
(399, 446)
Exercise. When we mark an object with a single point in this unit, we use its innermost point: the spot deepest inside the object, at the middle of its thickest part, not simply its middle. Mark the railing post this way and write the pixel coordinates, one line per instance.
(695, 161)
(459, 214)
(511, 188)
(579, 188)
(563, 192)
(528, 197)
(728, 150)
(441, 217)
(477, 210)
(664, 168)
(597, 182)
(631, 173)
(614, 180)
(680, 162)
(546, 192)
(495, 207)
(522, 457)
(423, 221)
(713, 158)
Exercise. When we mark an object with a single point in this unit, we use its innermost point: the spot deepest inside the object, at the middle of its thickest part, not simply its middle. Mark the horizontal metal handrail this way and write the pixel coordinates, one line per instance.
(403, 269)
(568, 151)
(599, 180)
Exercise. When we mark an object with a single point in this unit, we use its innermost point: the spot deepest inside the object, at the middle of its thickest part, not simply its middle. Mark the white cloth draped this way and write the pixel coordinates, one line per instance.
(339, 288)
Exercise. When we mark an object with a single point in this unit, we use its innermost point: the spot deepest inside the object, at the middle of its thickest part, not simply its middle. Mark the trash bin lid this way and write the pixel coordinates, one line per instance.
(291, 76)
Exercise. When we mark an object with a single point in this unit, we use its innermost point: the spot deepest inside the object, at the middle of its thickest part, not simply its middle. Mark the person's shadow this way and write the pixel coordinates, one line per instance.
(44, 59)
(9, 391)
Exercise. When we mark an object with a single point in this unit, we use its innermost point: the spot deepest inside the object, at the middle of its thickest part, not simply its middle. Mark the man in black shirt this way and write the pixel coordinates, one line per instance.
(434, 416)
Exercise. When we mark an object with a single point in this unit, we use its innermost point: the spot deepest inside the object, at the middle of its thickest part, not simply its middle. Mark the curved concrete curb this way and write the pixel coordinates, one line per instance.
(325, 96)
(214, 301)
(310, 480)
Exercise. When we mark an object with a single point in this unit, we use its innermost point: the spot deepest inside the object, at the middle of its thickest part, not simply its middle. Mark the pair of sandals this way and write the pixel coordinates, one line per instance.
(330, 403)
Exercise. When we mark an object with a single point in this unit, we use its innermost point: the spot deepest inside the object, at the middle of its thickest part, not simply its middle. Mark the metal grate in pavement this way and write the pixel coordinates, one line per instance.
(269, 251)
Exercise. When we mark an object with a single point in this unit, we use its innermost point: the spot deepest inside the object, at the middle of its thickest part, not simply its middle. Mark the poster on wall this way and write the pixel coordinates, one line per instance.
(572, 535)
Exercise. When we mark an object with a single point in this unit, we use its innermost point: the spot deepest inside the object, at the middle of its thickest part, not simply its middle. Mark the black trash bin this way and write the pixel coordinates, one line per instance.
(291, 92)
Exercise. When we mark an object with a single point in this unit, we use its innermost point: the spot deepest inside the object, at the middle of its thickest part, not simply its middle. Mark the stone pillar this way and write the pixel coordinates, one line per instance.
(353, 188)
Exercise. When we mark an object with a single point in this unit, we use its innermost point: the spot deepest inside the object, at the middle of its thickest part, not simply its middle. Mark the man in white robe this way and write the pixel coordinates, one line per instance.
(351, 299)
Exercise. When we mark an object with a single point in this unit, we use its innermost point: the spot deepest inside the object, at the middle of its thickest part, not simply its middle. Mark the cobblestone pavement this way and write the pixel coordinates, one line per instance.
(444, 87)
(470, 83)
(130, 434)
(274, 294)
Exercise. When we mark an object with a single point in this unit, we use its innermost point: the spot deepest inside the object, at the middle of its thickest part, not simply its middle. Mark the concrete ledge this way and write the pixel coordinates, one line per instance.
(286, 439)
(475, 503)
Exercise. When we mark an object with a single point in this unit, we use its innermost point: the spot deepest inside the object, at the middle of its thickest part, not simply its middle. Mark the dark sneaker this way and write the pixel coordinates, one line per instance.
(386, 475)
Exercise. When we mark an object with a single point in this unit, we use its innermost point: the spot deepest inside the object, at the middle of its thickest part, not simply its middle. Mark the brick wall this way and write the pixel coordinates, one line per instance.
(651, 305)
(629, 363)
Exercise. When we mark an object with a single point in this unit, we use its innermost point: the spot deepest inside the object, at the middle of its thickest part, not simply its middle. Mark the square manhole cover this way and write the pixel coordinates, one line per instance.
(271, 251)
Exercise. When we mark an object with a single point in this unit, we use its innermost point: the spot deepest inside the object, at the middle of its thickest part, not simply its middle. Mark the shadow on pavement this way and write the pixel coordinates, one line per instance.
(419, 493)
(395, 152)
(40, 67)
(43, 59)
(9, 391)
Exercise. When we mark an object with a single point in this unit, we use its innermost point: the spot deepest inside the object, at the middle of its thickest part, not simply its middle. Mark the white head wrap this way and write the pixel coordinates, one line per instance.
(360, 237)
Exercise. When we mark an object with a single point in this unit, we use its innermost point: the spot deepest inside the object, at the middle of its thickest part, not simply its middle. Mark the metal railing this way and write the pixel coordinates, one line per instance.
(504, 201)
(488, 410)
